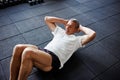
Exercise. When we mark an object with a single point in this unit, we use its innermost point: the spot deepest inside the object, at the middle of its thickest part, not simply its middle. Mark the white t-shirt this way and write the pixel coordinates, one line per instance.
(64, 45)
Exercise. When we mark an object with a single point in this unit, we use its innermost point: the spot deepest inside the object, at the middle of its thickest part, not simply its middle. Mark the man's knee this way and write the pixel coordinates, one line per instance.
(27, 53)
(18, 49)
(18, 46)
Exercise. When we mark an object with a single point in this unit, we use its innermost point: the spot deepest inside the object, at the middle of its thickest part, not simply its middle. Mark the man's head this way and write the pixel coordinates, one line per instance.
(72, 26)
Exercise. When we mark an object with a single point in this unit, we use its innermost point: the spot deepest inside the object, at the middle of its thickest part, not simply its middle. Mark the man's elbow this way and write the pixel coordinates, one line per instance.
(46, 18)
(93, 35)
(49, 19)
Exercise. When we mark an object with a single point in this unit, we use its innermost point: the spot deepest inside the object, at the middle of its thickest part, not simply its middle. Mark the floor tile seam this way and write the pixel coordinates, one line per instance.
(43, 5)
(87, 25)
(88, 67)
(19, 11)
(5, 57)
(44, 25)
(11, 23)
(72, 16)
(99, 7)
(3, 15)
(15, 26)
(83, 62)
(97, 41)
(94, 0)
(10, 37)
(26, 42)
(32, 29)
(85, 1)
(43, 13)
(102, 19)
(81, 23)
(111, 53)
(114, 1)
(11, 20)
(20, 33)
(36, 45)
(96, 20)
(40, 15)
(37, 15)
(106, 69)
(3, 68)
(6, 24)
(93, 10)
(44, 42)
(55, 10)
(3, 71)
(110, 2)
(107, 36)
(103, 37)
(29, 8)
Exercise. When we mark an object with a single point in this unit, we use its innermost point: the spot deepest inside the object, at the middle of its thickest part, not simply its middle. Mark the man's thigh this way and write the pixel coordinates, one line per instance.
(40, 58)
(27, 45)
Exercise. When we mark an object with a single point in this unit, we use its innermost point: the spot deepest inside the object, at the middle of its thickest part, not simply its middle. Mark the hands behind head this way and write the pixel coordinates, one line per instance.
(79, 29)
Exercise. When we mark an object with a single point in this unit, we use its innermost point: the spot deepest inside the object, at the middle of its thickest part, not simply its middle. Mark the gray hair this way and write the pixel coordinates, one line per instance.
(75, 21)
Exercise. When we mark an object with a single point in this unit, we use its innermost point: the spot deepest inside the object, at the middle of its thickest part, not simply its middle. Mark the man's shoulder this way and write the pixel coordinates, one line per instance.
(58, 30)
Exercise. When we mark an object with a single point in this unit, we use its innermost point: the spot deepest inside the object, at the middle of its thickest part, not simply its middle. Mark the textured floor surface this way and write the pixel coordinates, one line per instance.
(99, 60)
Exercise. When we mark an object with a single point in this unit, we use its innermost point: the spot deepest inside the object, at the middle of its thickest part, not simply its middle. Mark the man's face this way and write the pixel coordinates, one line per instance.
(70, 27)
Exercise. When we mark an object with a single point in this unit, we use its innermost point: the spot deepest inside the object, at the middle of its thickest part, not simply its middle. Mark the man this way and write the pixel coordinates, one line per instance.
(55, 54)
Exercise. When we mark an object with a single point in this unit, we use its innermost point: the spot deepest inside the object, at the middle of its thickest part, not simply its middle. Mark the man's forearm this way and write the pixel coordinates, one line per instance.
(86, 30)
(56, 20)
(89, 32)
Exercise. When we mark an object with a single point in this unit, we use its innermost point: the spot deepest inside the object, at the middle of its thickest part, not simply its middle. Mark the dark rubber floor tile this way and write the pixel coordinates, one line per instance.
(112, 44)
(8, 31)
(30, 24)
(74, 69)
(6, 46)
(112, 73)
(97, 58)
(38, 36)
(2, 73)
(4, 20)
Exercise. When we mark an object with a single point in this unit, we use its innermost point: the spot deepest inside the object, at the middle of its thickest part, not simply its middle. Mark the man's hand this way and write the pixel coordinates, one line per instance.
(79, 29)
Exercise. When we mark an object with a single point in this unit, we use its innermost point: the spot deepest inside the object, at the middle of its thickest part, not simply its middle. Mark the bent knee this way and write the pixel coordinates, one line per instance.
(27, 52)
(19, 46)
(17, 50)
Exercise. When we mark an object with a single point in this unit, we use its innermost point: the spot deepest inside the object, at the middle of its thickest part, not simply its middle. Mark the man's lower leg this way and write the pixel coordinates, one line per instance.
(15, 65)
(25, 69)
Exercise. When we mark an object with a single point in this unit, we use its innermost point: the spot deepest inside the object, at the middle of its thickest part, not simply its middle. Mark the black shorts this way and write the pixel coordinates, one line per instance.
(55, 60)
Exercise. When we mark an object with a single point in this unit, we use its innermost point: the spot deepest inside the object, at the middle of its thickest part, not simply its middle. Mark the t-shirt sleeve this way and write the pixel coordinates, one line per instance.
(80, 38)
(57, 30)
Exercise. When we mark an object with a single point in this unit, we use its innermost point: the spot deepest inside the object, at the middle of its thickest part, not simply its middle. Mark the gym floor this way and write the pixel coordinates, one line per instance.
(99, 60)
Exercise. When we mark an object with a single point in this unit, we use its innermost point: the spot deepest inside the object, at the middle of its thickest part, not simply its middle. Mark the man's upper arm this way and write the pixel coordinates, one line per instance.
(89, 34)
(87, 38)
(50, 21)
